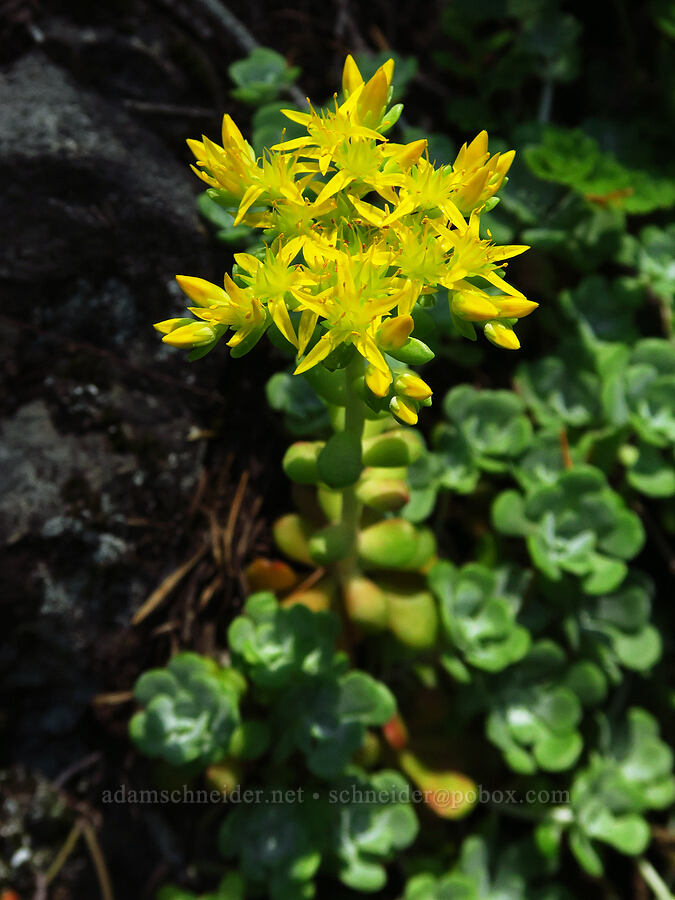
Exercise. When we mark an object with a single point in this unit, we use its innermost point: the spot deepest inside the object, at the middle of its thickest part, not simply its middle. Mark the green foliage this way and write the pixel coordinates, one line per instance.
(605, 310)
(576, 524)
(631, 774)
(231, 887)
(536, 709)
(326, 718)
(275, 646)
(353, 829)
(261, 76)
(520, 661)
(191, 710)
(276, 845)
(485, 432)
(478, 611)
(614, 628)
(641, 394)
(573, 159)
(370, 828)
(305, 413)
(559, 393)
(652, 256)
(477, 876)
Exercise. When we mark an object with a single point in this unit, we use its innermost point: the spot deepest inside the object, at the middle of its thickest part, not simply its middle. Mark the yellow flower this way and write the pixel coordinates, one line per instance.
(356, 229)
(234, 307)
(473, 256)
(353, 297)
(480, 175)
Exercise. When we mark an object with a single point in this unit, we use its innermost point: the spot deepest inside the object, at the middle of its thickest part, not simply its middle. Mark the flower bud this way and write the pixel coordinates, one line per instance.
(517, 307)
(474, 306)
(502, 336)
(411, 385)
(405, 410)
(169, 325)
(196, 334)
(394, 332)
(412, 352)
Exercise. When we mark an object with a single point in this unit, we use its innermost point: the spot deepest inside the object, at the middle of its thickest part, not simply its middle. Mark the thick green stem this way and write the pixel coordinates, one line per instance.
(351, 507)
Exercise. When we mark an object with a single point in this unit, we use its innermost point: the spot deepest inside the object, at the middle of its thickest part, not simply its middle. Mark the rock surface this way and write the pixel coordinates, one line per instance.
(108, 190)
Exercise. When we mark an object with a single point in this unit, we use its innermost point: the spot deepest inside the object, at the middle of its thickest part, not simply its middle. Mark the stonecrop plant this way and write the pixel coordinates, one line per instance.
(362, 665)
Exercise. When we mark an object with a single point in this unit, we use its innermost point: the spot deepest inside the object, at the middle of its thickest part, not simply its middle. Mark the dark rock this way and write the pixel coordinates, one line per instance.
(36, 463)
(84, 189)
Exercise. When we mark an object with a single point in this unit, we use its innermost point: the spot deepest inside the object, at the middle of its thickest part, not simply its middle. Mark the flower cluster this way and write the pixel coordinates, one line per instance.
(356, 230)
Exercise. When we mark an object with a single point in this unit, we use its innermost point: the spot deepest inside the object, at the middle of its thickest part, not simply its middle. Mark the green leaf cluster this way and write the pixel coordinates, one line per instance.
(191, 710)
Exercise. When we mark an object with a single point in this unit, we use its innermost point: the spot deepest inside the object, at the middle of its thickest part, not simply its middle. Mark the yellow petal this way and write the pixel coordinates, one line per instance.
(197, 148)
(239, 335)
(168, 325)
(378, 382)
(372, 214)
(246, 261)
(282, 320)
(504, 163)
(452, 213)
(511, 307)
(201, 291)
(323, 348)
(474, 307)
(369, 350)
(501, 283)
(293, 144)
(295, 116)
(351, 77)
(249, 198)
(388, 69)
(339, 181)
(411, 153)
(231, 134)
(308, 321)
(478, 147)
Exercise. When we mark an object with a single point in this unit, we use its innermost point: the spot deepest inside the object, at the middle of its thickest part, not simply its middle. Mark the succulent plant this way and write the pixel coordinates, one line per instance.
(577, 524)
(191, 710)
(478, 611)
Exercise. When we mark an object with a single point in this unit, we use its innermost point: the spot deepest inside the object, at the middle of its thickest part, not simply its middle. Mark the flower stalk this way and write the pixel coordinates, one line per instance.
(351, 506)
